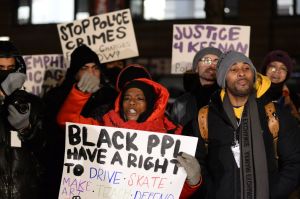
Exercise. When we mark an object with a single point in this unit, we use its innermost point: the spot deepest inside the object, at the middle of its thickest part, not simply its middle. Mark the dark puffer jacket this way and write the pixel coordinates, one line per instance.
(21, 171)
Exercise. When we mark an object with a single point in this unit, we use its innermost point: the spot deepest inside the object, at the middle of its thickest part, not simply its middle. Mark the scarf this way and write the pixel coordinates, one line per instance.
(253, 163)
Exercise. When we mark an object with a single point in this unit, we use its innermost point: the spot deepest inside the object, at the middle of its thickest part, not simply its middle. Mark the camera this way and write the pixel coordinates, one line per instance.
(18, 100)
(22, 107)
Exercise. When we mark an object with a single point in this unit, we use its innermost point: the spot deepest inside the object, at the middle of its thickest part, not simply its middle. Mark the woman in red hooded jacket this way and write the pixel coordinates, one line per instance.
(140, 105)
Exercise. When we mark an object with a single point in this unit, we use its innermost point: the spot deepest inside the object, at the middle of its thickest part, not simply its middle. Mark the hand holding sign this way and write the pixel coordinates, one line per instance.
(192, 168)
(110, 35)
(109, 162)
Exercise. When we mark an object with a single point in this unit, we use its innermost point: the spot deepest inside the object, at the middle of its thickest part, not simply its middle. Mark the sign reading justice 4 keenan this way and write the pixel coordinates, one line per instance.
(115, 163)
(110, 35)
(188, 39)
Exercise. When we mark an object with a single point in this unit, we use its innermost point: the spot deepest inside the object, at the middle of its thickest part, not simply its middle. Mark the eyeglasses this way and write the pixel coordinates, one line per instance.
(274, 69)
(209, 61)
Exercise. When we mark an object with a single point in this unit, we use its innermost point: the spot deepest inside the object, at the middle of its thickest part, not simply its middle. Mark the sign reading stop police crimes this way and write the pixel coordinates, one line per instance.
(115, 163)
(188, 39)
(110, 35)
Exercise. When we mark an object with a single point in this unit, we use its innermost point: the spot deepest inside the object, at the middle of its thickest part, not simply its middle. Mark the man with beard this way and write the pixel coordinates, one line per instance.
(185, 108)
(239, 159)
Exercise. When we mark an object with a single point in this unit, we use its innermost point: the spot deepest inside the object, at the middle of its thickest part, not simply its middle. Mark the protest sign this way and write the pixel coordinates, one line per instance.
(110, 35)
(115, 163)
(43, 72)
(190, 38)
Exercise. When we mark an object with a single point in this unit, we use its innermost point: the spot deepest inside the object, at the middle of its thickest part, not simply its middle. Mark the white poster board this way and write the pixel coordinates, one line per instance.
(44, 72)
(188, 39)
(110, 35)
(116, 163)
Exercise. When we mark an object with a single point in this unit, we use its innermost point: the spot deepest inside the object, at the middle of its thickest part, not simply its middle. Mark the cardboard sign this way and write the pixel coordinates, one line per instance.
(43, 72)
(110, 35)
(116, 163)
(188, 39)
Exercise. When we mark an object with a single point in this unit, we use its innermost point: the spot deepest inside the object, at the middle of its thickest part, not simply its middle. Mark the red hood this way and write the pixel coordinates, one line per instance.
(160, 104)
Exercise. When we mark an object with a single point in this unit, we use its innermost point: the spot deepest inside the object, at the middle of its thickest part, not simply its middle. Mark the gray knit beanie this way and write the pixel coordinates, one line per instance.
(226, 60)
(204, 51)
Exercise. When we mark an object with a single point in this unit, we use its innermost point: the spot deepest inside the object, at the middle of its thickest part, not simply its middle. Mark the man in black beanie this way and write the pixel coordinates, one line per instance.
(84, 64)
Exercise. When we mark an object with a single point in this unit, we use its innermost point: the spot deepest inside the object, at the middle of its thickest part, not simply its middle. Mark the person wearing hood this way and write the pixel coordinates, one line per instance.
(21, 130)
(140, 105)
(185, 108)
(83, 60)
(240, 157)
(278, 66)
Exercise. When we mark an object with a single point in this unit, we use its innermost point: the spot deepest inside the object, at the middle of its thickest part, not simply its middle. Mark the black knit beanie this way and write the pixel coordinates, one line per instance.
(131, 72)
(7, 50)
(149, 94)
(81, 56)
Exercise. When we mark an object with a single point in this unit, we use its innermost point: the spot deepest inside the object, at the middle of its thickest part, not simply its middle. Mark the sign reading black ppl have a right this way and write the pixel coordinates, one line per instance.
(110, 35)
(106, 162)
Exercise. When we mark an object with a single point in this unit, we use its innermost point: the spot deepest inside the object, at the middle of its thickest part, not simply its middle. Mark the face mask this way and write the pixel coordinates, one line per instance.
(4, 74)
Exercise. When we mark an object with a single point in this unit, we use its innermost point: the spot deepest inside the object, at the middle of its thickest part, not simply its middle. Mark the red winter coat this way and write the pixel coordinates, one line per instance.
(157, 121)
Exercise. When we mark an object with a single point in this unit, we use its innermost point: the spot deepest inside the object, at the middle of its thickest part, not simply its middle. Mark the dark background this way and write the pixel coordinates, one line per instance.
(154, 38)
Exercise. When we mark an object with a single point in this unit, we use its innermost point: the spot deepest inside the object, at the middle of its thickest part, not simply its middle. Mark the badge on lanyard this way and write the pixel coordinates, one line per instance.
(236, 153)
(14, 139)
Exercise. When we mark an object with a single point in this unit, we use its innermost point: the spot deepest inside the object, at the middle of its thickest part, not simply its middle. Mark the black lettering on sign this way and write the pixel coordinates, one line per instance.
(70, 45)
(68, 165)
(176, 148)
(153, 141)
(166, 143)
(115, 140)
(74, 134)
(131, 161)
(85, 142)
(90, 154)
(121, 32)
(148, 164)
(104, 138)
(117, 158)
(162, 166)
(77, 170)
(130, 137)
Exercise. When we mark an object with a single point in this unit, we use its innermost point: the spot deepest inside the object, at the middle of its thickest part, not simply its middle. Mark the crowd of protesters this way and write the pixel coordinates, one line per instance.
(237, 155)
